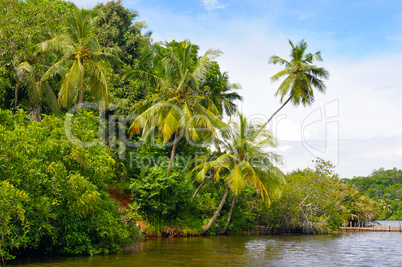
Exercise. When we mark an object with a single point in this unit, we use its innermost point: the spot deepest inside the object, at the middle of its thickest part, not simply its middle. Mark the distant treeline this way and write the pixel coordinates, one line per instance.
(384, 186)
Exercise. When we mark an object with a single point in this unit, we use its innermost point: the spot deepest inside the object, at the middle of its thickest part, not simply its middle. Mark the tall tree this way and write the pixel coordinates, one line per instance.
(301, 76)
(82, 65)
(223, 93)
(122, 34)
(26, 23)
(27, 77)
(227, 94)
(178, 109)
(245, 161)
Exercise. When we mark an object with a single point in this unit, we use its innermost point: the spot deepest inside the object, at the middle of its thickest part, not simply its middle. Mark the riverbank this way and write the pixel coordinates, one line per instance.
(375, 228)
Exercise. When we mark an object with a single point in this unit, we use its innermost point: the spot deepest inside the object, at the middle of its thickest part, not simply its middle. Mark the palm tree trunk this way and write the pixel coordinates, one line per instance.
(212, 220)
(81, 95)
(16, 95)
(273, 115)
(173, 150)
(199, 187)
(36, 114)
(229, 217)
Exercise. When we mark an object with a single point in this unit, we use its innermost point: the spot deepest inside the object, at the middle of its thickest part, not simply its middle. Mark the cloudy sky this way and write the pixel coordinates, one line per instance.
(357, 123)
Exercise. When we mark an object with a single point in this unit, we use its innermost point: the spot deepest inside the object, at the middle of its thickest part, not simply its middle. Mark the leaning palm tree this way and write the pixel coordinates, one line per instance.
(245, 161)
(178, 109)
(301, 76)
(83, 63)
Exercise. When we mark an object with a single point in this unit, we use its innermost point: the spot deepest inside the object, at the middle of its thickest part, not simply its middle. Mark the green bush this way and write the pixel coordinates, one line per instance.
(13, 224)
(159, 196)
(56, 193)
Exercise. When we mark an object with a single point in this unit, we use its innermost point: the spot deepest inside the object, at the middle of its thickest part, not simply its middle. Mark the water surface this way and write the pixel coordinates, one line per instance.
(352, 249)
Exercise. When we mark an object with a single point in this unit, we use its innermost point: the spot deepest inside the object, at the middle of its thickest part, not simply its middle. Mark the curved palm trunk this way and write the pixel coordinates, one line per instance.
(173, 151)
(229, 217)
(276, 112)
(212, 220)
(199, 187)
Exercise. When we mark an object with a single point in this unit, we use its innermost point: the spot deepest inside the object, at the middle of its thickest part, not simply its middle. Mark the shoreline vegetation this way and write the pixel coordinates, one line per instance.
(107, 136)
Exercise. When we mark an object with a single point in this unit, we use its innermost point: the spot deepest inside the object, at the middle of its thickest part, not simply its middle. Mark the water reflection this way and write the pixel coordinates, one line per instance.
(352, 249)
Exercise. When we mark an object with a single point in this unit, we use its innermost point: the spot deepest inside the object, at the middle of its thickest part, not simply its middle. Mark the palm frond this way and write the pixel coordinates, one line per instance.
(235, 180)
(278, 60)
(60, 44)
(57, 68)
(70, 85)
(50, 97)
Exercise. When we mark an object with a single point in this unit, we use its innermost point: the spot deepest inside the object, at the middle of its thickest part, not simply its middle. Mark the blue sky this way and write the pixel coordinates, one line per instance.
(361, 44)
(354, 28)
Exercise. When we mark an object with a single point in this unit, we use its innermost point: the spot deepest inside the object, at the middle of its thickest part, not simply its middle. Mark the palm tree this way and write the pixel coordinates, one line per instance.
(360, 208)
(178, 109)
(245, 161)
(222, 92)
(82, 62)
(28, 78)
(228, 96)
(301, 76)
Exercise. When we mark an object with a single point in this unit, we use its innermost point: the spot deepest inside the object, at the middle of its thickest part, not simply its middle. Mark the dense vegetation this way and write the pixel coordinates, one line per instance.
(153, 150)
(384, 186)
(54, 194)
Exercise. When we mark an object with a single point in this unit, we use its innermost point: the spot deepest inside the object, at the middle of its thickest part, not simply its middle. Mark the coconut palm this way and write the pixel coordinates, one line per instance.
(82, 66)
(245, 161)
(178, 109)
(27, 78)
(228, 95)
(222, 92)
(359, 208)
(301, 76)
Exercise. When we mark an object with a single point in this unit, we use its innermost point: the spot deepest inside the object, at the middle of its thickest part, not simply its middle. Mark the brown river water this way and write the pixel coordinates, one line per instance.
(344, 249)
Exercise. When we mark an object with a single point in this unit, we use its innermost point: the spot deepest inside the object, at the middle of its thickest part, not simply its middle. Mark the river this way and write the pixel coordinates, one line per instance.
(351, 249)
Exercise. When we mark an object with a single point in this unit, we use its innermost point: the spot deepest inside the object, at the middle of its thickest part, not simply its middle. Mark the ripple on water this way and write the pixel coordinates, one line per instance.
(348, 249)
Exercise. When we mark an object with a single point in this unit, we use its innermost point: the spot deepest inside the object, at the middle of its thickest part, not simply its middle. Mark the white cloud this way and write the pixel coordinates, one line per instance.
(394, 37)
(284, 148)
(360, 136)
(212, 4)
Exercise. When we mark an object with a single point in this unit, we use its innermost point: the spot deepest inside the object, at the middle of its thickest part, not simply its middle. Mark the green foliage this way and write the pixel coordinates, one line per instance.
(178, 110)
(59, 189)
(244, 161)
(83, 63)
(223, 94)
(121, 36)
(384, 186)
(301, 76)
(162, 197)
(359, 207)
(313, 201)
(26, 24)
(13, 225)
